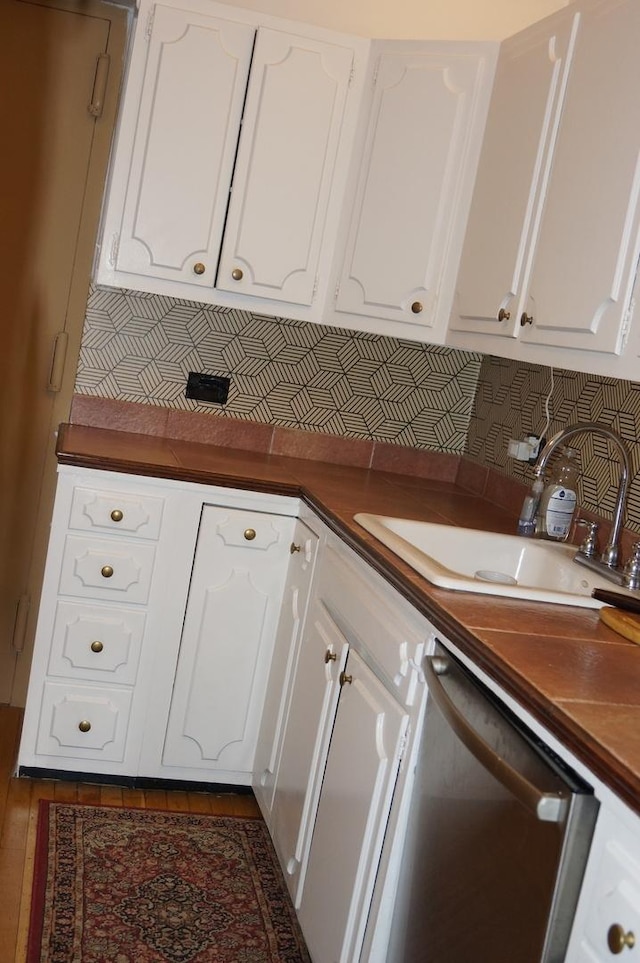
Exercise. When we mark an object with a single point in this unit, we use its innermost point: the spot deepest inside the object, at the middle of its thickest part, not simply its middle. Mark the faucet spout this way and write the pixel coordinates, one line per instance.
(611, 555)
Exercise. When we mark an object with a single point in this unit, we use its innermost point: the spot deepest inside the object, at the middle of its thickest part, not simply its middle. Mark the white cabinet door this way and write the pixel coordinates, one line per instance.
(225, 652)
(352, 815)
(526, 105)
(585, 264)
(414, 184)
(306, 740)
(286, 652)
(186, 131)
(290, 135)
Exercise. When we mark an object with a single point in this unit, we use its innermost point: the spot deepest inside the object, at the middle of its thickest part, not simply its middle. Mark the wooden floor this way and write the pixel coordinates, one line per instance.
(18, 813)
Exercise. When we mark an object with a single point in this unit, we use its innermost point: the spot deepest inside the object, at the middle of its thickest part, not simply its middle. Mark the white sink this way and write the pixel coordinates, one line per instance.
(470, 560)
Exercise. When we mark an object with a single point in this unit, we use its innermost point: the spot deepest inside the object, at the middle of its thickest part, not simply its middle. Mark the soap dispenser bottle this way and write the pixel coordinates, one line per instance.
(559, 499)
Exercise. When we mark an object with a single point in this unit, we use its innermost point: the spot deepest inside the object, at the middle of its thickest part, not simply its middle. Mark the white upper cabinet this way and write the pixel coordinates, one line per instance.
(565, 265)
(286, 158)
(513, 170)
(184, 146)
(226, 170)
(413, 179)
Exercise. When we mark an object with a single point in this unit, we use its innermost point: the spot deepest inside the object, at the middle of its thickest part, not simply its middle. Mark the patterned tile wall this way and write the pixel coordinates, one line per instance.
(510, 403)
(140, 347)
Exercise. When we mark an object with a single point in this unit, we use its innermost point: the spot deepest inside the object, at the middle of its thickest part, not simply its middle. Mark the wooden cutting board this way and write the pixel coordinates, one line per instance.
(625, 623)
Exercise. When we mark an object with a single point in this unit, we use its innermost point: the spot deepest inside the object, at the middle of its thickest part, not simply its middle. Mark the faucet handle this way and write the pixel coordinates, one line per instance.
(631, 570)
(589, 547)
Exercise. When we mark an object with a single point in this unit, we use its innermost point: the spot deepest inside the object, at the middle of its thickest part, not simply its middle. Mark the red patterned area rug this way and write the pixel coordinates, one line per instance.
(140, 886)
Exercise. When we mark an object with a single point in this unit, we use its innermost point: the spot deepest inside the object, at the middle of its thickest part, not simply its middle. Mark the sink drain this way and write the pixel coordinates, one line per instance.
(486, 575)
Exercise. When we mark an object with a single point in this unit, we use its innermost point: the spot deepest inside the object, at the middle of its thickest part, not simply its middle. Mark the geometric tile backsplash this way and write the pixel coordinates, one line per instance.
(140, 347)
(510, 403)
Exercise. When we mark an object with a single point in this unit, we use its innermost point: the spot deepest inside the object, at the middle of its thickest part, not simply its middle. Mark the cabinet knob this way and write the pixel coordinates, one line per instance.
(617, 939)
(330, 656)
(525, 319)
(84, 726)
(106, 571)
(345, 679)
(503, 315)
(97, 646)
(237, 274)
(116, 515)
(199, 268)
(417, 307)
(249, 534)
(293, 548)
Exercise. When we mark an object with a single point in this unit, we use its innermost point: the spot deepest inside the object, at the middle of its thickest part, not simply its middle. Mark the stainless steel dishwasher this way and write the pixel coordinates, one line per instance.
(498, 836)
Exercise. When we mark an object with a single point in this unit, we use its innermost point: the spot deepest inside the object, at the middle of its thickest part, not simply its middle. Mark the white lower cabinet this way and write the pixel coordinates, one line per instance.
(357, 789)
(157, 621)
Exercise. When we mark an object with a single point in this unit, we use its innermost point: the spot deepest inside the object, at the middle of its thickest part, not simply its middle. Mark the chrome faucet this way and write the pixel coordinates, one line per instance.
(608, 562)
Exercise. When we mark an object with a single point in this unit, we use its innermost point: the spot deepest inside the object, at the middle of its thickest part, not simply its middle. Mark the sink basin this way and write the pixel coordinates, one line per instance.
(470, 560)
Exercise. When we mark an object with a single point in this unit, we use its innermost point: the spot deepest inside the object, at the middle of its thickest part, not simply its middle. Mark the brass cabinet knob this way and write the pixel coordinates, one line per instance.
(249, 534)
(525, 319)
(345, 679)
(116, 515)
(293, 548)
(617, 939)
(330, 656)
(106, 571)
(417, 307)
(503, 315)
(97, 646)
(84, 726)
(199, 268)
(237, 274)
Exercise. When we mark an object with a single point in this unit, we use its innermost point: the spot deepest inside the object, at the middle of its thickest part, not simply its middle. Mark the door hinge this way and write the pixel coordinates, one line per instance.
(149, 24)
(376, 71)
(352, 74)
(20, 624)
(626, 323)
(336, 293)
(113, 251)
(96, 104)
(315, 288)
(58, 359)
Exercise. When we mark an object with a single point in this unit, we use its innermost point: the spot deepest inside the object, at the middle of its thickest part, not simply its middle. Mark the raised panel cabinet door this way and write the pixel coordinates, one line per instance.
(229, 629)
(314, 697)
(303, 552)
(583, 273)
(357, 789)
(422, 140)
(526, 105)
(286, 157)
(186, 132)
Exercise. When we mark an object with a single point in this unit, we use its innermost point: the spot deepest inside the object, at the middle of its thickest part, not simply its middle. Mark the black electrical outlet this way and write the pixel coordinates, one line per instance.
(204, 387)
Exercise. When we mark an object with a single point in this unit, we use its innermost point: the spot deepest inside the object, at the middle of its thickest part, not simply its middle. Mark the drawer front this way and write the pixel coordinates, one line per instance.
(100, 644)
(117, 512)
(373, 619)
(88, 723)
(106, 569)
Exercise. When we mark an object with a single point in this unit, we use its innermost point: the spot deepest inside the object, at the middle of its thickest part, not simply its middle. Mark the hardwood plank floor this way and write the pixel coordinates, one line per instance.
(18, 817)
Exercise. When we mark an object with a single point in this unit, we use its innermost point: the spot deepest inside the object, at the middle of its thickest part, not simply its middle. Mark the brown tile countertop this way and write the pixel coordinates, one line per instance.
(576, 676)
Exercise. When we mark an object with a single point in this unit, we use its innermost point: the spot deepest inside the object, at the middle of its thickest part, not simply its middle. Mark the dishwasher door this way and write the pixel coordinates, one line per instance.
(498, 835)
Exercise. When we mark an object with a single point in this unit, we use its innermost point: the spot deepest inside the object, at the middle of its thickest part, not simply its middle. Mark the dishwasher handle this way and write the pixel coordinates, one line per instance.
(547, 807)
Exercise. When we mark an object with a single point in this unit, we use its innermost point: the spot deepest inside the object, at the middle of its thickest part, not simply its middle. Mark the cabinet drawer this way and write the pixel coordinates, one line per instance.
(96, 643)
(373, 618)
(118, 512)
(85, 722)
(106, 568)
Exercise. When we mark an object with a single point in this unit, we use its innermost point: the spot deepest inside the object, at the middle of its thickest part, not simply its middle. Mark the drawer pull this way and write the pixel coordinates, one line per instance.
(237, 274)
(84, 726)
(97, 646)
(503, 315)
(345, 679)
(106, 571)
(617, 939)
(293, 548)
(199, 268)
(116, 515)
(249, 534)
(330, 656)
(417, 307)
